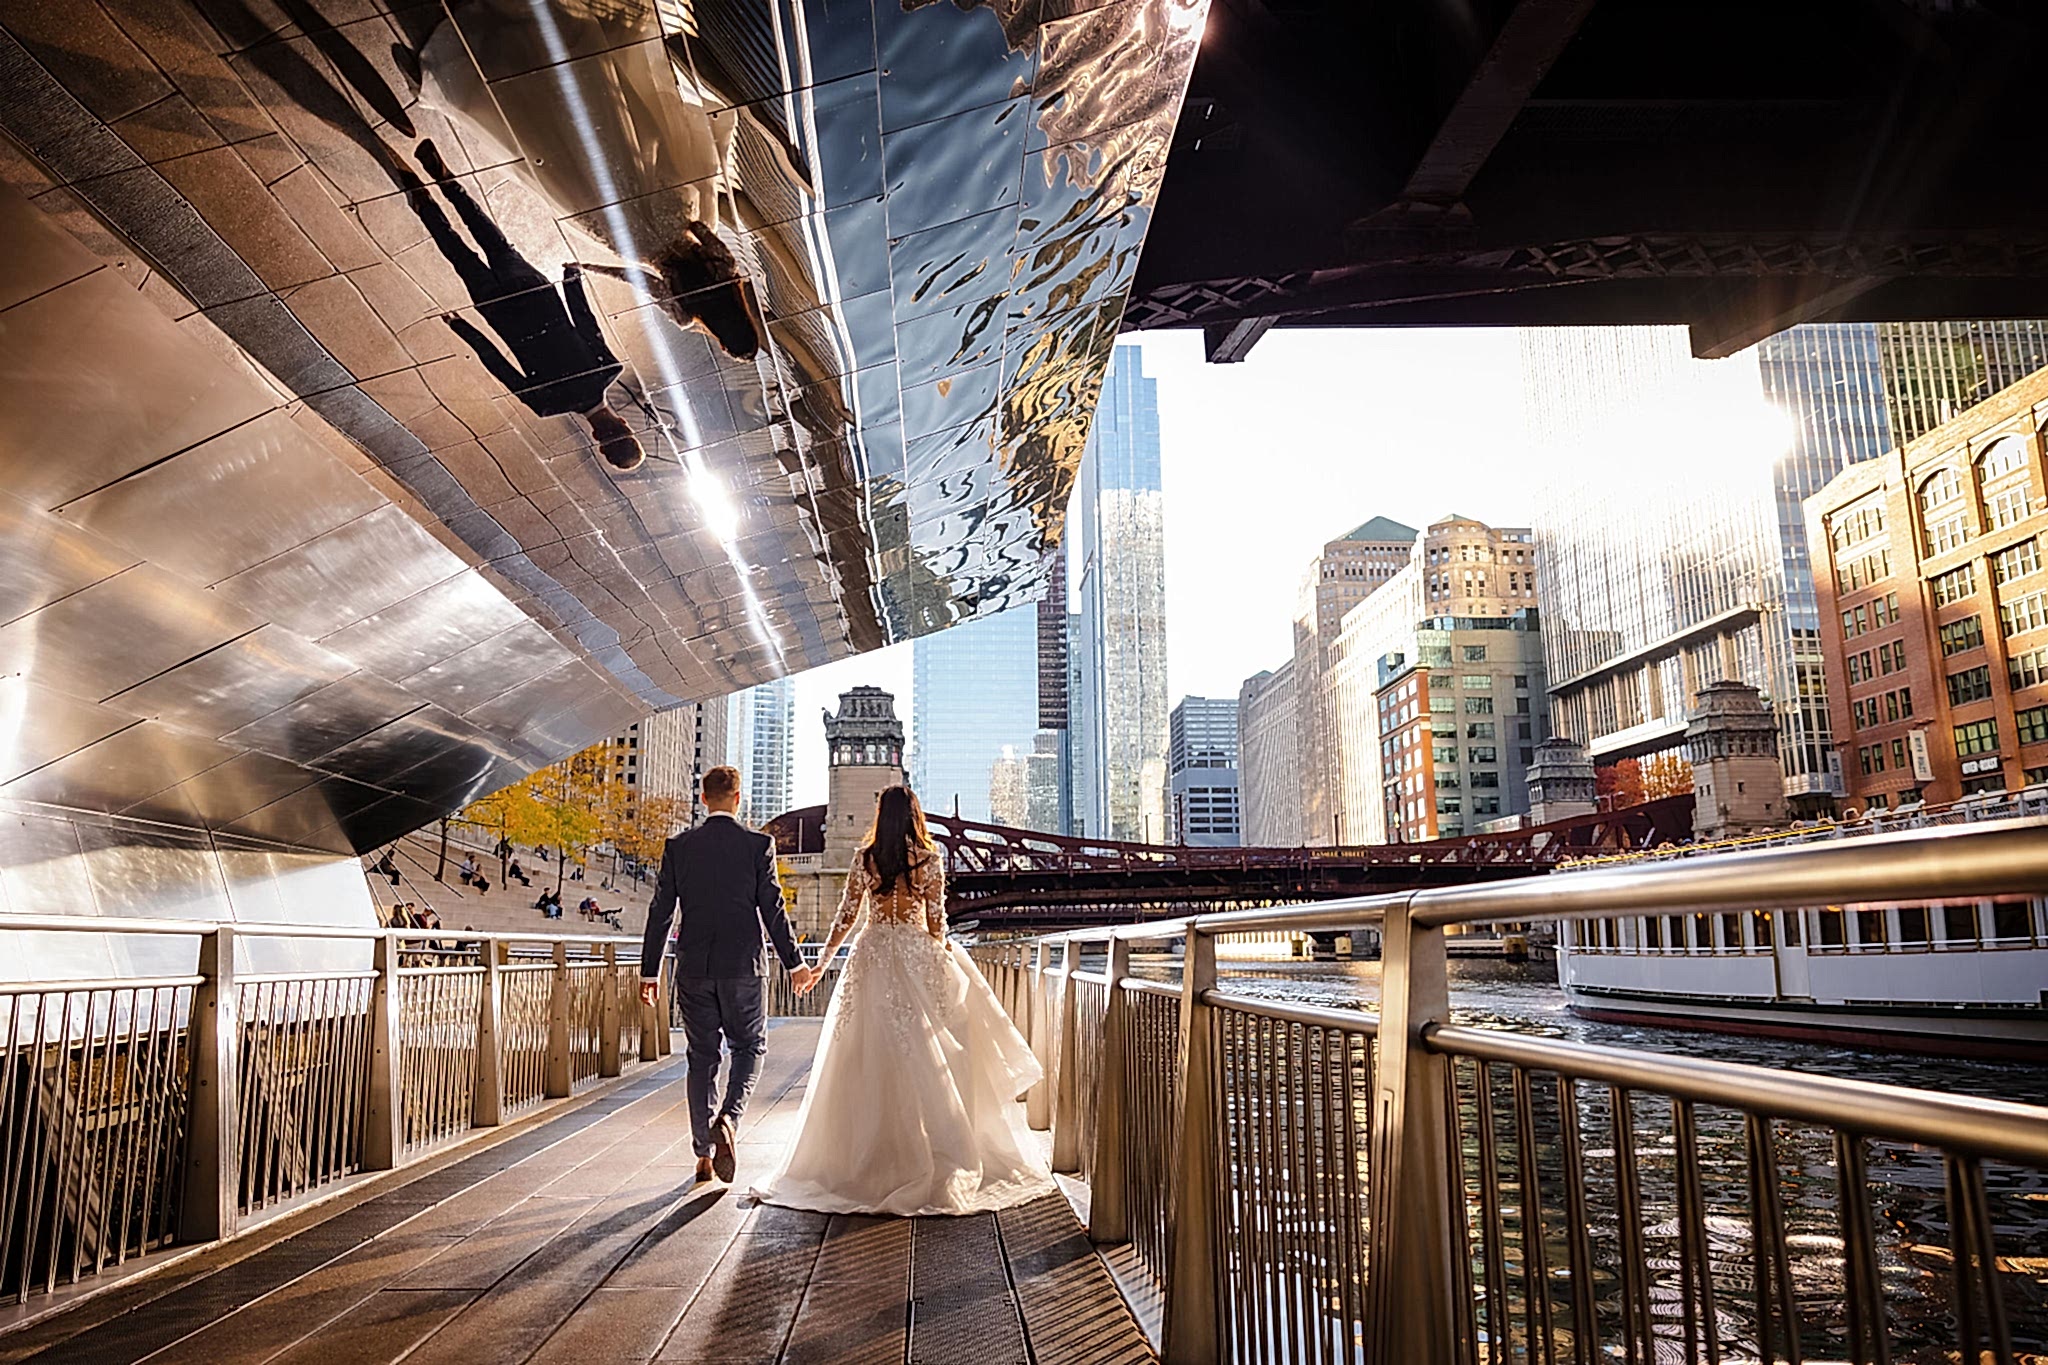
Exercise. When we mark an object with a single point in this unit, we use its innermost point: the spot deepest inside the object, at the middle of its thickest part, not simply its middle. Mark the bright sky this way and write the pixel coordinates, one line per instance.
(1265, 461)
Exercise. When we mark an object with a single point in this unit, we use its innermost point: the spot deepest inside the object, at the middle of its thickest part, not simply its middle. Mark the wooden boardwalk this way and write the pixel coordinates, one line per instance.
(581, 1239)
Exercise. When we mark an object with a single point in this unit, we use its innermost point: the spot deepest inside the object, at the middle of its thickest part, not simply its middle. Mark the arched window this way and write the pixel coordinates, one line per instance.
(2003, 456)
(1940, 489)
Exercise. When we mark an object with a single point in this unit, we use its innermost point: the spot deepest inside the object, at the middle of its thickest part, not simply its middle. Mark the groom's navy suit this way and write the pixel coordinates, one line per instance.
(723, 876)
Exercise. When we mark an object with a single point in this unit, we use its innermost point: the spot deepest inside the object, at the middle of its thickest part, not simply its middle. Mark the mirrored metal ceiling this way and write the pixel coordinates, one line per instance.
(398, 396)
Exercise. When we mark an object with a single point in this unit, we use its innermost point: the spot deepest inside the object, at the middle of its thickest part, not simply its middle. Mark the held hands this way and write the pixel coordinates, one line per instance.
(804, 979)
(648, 990)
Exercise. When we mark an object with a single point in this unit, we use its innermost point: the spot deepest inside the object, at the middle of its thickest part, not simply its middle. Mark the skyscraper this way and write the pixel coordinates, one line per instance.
(1663, 585)
(1349, 569)
(762, 742)
(974, 694)
(1119, 708)
(1052, 752)
(1268, 793)
(1201, 761)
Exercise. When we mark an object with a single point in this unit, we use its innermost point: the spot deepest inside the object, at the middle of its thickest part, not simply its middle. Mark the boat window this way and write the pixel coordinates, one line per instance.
(1731, 933)
(1795, 921)
(2011, 922)
(1870, 928)
(1831, 927)
(1653, 932)
(1702, 934)
(1959, 923)
(1760, 927)
(1912, 924)
(1674, 932)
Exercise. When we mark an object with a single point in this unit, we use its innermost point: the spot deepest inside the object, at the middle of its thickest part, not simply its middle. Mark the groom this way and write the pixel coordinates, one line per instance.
(722, 876)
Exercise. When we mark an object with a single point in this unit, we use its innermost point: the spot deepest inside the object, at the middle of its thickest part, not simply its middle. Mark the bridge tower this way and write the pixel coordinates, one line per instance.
(1732, 737)
(864, 743)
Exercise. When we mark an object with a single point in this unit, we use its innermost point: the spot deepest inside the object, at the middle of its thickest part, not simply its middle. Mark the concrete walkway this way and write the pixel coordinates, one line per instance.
(582, 1240)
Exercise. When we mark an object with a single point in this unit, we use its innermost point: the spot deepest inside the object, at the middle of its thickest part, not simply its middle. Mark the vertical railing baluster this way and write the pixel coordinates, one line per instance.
(1499, 1329)
(1773, 1264)
(1066, 1097)
(1535, 1250)
(1695, 1269)
(1461, 1224)
(1191, 1328)
(1585, 1317)
(1628, 1185)
(384, 1117)
(1869, 1336)
(209, 1204)
(1109, 1188)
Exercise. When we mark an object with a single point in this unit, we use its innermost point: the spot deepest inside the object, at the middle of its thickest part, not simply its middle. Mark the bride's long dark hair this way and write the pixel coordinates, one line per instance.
(899, 840)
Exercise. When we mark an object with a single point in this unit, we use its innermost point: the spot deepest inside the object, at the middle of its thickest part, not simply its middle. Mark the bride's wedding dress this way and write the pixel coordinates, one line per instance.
(911, 1107)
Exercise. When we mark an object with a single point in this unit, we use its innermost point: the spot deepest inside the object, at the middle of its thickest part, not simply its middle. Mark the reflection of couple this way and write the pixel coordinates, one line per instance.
(910, 1108)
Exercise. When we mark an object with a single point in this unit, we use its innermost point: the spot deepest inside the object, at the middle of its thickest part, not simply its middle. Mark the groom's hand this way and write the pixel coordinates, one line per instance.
(648, 990)
(802, 979)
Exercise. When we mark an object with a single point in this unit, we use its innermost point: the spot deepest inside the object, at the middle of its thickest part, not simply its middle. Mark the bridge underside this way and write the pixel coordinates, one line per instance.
(1738, 167)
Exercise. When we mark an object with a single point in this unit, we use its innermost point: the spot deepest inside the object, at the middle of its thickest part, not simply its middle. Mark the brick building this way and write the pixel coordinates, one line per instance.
(1928, 562)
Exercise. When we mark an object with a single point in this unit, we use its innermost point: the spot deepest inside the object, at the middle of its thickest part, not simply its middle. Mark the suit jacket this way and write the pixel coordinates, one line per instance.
(722, 875)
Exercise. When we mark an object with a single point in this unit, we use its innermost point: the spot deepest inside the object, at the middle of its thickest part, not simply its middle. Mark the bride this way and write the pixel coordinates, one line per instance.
(911, 1102)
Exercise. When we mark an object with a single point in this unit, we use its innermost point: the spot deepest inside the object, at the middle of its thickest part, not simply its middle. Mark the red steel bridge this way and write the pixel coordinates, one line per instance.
(1014, 878)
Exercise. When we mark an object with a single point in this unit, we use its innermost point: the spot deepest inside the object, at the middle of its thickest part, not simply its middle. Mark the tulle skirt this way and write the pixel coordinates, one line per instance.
(911, 1107)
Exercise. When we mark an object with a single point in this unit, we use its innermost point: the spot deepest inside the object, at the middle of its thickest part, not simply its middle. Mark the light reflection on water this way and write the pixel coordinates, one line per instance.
(1907, 1184)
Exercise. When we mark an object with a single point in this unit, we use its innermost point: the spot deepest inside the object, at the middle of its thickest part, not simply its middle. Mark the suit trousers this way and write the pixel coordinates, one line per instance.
(734, 1010)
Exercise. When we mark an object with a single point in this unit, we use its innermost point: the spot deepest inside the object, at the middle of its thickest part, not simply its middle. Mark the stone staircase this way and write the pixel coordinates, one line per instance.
(502, 909)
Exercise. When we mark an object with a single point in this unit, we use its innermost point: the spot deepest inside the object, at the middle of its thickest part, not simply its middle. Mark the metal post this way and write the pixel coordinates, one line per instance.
(558, 1025)
(1410, 1263)
(1038, 1102)
(608, 1061)
(487, 1109)
(1066, 1096)
(384, 1119)
(1193, 1265)
(213, 1167)
(1108, 1212)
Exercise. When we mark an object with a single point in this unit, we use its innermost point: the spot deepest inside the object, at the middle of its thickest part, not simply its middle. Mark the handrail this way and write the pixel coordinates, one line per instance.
(1296, 1175)
(113, 983)
(197, 928)
(1991, 1128)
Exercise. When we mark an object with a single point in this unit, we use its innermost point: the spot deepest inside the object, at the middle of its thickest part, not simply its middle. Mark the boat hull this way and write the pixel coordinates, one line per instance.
(2016, 1034)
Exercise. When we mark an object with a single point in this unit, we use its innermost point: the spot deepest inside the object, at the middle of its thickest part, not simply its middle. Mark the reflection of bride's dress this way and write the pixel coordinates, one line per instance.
(911, 1107)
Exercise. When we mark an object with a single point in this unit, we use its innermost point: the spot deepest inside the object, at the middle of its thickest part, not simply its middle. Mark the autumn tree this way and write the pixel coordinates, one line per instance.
(566, 806)
(1665, 775)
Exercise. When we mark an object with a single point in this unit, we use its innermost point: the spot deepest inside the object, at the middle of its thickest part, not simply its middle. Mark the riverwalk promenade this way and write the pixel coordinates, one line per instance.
(579, 1236)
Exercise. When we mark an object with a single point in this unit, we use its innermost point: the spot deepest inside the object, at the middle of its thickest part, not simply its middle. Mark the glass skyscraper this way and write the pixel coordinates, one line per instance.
(1117, 529)
(1673, 538)
(973, 696)
(761, 743)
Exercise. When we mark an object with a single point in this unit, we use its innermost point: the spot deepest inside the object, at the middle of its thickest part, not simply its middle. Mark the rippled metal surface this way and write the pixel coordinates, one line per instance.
(846, 275)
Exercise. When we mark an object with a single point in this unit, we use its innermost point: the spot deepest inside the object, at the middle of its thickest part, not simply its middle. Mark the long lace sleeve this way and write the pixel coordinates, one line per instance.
(853, 900)
(933, 893)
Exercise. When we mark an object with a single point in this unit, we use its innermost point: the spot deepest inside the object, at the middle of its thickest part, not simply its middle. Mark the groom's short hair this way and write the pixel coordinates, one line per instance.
(721, 782)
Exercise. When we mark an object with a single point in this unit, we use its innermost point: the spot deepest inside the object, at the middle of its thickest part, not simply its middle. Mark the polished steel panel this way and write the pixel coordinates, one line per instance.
(306, 530)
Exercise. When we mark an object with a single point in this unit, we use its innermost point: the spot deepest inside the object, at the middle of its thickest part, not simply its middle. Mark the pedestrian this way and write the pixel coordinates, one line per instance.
(518, 873)
(468, 868)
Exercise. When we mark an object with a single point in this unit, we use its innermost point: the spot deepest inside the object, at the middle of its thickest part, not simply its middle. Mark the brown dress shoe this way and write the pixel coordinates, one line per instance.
(724, 1150)
(704, 1172)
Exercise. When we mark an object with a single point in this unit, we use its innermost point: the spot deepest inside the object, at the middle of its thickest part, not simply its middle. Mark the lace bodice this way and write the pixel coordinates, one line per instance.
(918, 898)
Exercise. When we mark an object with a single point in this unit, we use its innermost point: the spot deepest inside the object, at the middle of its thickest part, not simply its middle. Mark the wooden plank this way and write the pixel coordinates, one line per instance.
(744, 1312)
(857, 1306)
(381, 1328)
(961, 1307)
(1072, 1310)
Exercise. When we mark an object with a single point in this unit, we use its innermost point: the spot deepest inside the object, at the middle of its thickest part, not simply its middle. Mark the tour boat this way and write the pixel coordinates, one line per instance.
(1953, 977)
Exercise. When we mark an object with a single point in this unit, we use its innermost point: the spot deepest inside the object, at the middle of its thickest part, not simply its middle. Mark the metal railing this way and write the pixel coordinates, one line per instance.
(137, 1112)
(1315, 1184)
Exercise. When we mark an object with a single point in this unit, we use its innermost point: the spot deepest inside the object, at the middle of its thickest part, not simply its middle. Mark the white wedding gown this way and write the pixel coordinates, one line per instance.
(911, 1107)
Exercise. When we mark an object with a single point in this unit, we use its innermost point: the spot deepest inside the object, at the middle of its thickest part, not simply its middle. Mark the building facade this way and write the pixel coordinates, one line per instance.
(761, 726)
(666, 754)
(1203, 805)
(1119, 707)
(1936, 607)
(1269, 795)
(1656, 587)
(1459, 721)
(974, 694)
(1055, 691)
(1349, 569)
(1458, 569)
